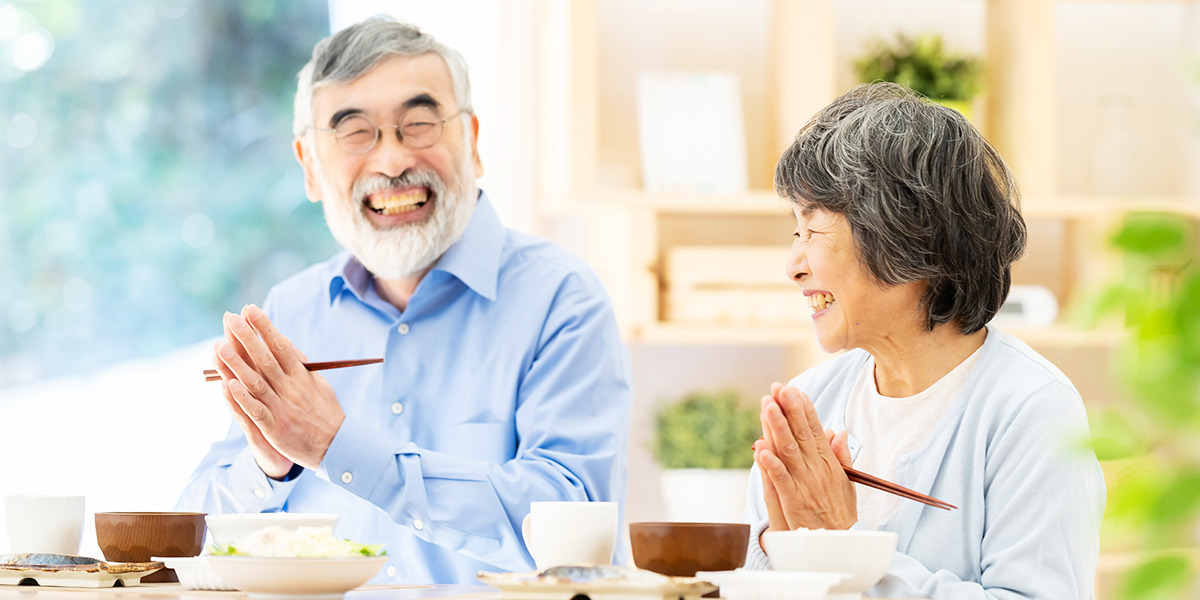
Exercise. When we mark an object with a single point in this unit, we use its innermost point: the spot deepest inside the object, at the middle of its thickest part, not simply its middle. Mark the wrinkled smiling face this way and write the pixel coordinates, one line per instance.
(397, 209)
(850, 307)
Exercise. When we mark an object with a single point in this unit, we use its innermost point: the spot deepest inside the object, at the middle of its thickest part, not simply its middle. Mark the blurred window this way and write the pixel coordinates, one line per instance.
(147, 182)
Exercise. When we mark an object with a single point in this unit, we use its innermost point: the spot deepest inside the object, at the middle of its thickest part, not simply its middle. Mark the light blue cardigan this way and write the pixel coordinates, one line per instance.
(1006, 454)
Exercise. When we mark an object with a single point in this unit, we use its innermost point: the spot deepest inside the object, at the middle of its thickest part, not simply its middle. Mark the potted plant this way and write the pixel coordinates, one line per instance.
(703, 443)
(923, 64)
(1148, 445)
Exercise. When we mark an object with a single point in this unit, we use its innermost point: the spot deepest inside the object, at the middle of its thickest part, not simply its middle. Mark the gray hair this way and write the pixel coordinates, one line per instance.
(351, 52)
(926, 196)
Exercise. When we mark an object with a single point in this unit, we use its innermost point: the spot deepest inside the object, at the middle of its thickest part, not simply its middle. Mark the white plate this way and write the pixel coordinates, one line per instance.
(773, 585)
(598, 583)
(195, 573)
(279, 578)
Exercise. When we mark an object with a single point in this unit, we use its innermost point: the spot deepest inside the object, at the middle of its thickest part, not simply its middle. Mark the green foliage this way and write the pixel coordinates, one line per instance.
(158, 189)
(923, 64)
(1158, 300)
(1159, 578)
(706, 431)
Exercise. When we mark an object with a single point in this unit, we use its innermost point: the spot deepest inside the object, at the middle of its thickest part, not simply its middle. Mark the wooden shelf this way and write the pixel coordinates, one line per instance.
(754, 202)
(1066, 240)
(801, 333)
(669, 333)
(1068, 336)
(1100, 207)
(766, 202)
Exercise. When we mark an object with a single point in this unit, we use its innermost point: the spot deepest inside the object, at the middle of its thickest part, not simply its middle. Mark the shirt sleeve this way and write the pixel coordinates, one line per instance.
(572, 420)
(228, 480)
(1043, 502)
(756, 516)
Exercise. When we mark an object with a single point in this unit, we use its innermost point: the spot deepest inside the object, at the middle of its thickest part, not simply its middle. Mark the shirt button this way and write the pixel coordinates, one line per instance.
(418, 524)
(403, 329)
(259, 493)
(391, 571)
(347, 477)
(397, 408)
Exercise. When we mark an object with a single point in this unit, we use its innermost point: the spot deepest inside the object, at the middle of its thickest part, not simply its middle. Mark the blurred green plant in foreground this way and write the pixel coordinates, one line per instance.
(706, 430)
(1151, 445)
(147, 182)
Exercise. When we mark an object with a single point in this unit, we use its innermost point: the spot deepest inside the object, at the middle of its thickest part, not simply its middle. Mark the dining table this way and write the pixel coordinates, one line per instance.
(175, 591)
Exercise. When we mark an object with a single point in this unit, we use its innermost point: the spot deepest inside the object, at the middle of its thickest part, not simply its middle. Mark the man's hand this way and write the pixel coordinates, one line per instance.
(294, 410)
(804, 484)
(274, 464)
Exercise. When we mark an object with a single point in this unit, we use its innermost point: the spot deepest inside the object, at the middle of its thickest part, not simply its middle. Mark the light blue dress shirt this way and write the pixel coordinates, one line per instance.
(1007, 453)
(505, 382)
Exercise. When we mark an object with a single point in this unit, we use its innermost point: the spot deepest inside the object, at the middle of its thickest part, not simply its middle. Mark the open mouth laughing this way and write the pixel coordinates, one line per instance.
(820, 301)
(394, 202)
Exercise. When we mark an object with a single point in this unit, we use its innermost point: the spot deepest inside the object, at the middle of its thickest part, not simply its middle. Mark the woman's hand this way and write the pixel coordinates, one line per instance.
(804, 484)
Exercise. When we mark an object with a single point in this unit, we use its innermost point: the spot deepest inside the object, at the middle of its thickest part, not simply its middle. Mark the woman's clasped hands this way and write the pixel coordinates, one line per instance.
(801, 463)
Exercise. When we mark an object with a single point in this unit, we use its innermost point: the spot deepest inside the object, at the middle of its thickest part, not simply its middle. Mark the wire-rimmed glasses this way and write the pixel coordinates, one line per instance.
(420, 127)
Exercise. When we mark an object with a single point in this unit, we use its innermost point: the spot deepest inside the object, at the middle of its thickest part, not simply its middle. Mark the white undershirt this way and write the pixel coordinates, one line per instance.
(890, 428)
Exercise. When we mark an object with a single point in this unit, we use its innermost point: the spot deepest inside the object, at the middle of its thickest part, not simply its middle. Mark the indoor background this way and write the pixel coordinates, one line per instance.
(147, 186)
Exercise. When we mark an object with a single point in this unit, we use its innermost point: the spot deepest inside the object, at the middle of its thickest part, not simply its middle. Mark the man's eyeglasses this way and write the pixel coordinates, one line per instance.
(419, 128)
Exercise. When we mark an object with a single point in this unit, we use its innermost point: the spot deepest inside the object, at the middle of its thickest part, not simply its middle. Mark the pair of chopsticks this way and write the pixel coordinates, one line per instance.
(882, 484)
(892, 488)
(212, 375)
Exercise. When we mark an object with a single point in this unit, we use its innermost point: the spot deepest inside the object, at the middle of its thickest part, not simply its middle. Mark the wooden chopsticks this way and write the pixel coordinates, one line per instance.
(212, 375)
(892, 488)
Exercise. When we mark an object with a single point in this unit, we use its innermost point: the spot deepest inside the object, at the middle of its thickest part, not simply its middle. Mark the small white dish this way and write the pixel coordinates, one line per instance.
(310, 578)
(195, 573)
(865, 555)
(603, 581)
(772, 585)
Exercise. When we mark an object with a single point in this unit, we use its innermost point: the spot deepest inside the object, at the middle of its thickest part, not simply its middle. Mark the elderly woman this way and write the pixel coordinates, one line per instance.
(906, 230)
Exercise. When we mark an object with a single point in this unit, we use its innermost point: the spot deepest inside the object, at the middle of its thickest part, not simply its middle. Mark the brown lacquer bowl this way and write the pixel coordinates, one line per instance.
(138, 536)
(681, 549)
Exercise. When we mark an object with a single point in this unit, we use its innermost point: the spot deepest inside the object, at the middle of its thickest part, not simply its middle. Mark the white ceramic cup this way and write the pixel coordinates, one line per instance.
(51, 524)
(570, 533)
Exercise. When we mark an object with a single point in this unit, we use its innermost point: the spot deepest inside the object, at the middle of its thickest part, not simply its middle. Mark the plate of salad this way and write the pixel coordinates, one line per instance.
(308, 562)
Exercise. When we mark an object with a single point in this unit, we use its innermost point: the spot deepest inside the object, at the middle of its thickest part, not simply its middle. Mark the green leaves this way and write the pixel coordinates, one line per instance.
(1153, 234)
(1114, 437)
(923, 64)
(1157, 297)
(1159, 578)
(706, 431)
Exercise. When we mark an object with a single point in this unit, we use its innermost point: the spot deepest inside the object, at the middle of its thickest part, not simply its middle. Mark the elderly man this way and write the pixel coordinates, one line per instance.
(505, 379)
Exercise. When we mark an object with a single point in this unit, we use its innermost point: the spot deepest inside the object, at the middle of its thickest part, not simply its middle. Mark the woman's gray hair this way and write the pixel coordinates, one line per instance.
(351, 52)
(926, 196)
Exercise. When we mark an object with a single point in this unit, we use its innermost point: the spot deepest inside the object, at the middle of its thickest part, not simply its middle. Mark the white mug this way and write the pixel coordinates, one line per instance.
(50, 524)
(570, 533)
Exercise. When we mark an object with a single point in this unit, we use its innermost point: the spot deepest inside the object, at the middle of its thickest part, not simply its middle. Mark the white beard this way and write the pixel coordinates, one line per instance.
(406, 250)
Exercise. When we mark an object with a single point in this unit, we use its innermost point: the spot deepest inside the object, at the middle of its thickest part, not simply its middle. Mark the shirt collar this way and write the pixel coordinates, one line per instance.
(474, 259)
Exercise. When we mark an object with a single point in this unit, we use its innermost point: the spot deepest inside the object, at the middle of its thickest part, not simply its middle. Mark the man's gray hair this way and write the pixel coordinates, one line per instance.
(926, 196)
(351, 52)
